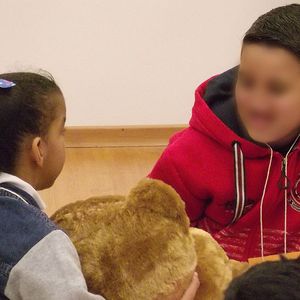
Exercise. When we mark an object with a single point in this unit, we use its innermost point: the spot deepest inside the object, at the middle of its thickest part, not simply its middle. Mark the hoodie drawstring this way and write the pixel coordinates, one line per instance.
(286, 185)
(261, 222)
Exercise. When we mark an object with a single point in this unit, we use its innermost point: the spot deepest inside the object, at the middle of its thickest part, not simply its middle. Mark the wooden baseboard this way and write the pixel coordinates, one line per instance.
(120, 136)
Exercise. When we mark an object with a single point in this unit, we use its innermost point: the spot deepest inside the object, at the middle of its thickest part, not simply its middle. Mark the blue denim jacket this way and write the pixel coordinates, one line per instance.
(37, 260)
(22, 225)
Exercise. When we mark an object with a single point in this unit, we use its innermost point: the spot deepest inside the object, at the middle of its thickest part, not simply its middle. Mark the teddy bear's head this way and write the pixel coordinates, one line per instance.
(131, 248)
(141, 246)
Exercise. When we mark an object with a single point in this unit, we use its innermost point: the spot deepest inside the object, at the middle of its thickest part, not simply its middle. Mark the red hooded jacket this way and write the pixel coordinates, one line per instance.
(246, 195)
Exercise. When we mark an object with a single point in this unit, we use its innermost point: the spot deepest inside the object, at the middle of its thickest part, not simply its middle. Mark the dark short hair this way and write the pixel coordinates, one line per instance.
(25, 109)
(279, 280)
(279, 27)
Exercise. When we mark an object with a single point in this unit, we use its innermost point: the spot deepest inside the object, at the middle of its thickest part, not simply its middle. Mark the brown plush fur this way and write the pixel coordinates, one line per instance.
(141, 247)
(215, 269)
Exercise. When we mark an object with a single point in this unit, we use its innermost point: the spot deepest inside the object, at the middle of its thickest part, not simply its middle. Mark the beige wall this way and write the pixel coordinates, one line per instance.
(123, 62)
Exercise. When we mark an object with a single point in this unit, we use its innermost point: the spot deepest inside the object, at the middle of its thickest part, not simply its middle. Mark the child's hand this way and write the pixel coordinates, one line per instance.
(190, 293)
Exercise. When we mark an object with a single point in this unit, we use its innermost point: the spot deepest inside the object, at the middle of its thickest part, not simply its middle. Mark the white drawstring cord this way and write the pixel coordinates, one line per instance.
(286, 192)
(262, 202)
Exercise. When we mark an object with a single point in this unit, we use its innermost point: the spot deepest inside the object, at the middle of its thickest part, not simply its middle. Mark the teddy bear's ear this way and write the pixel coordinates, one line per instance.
(160, 198)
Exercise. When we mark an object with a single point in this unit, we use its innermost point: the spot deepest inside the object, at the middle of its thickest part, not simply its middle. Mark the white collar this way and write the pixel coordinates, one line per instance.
(26, 187)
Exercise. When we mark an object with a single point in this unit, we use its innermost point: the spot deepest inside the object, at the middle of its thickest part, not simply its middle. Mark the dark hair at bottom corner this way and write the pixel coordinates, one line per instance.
(278, 280)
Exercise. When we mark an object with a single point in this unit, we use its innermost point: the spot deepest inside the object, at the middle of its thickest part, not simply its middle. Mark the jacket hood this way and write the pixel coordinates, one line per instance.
(214, 114)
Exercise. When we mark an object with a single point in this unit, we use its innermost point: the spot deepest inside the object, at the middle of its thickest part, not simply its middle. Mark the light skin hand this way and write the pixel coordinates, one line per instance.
(191, 291)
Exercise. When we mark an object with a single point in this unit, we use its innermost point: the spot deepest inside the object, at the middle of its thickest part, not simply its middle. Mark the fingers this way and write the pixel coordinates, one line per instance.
(190, 293)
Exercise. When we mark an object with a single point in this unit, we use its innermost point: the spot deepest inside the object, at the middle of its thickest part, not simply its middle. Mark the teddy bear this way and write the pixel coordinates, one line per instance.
(141, 246)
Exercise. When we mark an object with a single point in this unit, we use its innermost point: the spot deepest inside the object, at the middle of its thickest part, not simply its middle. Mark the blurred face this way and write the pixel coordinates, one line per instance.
(268, 94)
(54, 144)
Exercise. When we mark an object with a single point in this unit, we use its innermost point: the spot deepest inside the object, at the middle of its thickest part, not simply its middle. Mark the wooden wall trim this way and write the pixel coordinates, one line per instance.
(120, 136)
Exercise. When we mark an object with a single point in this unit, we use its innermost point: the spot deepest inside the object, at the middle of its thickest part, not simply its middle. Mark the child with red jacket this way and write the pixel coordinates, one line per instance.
(237, 165)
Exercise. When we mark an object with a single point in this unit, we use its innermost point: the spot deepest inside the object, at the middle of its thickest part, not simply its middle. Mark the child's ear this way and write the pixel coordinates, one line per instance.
(38, 151)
